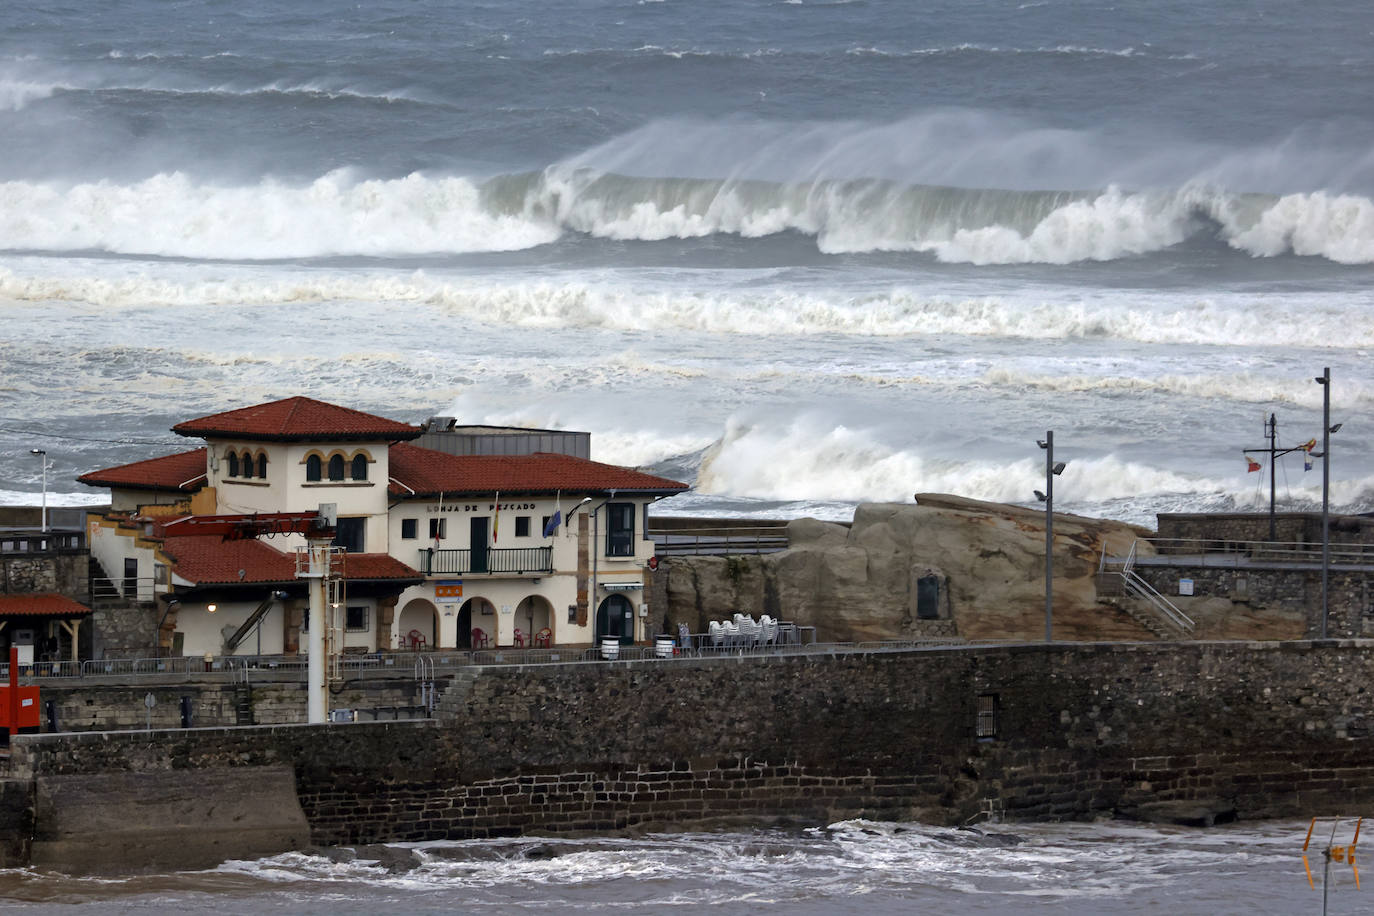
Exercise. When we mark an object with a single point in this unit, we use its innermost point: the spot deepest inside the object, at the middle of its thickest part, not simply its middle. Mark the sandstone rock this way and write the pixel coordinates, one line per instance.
(860, 582)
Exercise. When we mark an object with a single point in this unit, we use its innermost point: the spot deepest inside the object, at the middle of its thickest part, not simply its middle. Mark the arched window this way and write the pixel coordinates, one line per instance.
(262, 465)
(360, 467)
(247, 464)
(232, 459)
(312, 467)
(336, 467)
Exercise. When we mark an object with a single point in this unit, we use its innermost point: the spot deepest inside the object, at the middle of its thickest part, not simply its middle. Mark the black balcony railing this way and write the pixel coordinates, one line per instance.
(492, 560)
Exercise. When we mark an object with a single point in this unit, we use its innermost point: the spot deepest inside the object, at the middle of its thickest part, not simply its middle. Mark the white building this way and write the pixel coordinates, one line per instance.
(443, 551)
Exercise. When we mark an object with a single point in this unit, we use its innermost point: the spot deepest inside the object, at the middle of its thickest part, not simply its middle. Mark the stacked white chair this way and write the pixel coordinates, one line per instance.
(748, 632)
(769, 627)
(731, 633)
(717, 634)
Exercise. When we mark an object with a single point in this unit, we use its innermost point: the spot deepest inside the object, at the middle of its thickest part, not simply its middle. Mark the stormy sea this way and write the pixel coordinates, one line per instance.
(798, 253)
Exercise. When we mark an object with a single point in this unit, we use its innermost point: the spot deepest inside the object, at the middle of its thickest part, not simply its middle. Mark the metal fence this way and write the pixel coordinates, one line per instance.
(261, 668)
(1186, 551)
(718, 541)
(131, 588)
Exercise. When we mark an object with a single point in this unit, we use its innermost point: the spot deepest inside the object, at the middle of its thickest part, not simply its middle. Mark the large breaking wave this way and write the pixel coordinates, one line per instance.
(341, 214)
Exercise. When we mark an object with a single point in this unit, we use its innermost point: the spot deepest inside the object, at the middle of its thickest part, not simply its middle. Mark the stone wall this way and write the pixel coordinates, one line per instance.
(1268, 598)
(124, 630)
(1242, 527)
(64, 573)
(1196, 731)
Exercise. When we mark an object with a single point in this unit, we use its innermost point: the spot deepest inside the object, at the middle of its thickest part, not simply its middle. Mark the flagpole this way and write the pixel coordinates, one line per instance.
(1274, 452)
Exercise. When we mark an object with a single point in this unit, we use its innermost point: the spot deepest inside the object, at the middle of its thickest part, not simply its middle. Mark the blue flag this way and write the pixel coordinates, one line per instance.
(554, 521)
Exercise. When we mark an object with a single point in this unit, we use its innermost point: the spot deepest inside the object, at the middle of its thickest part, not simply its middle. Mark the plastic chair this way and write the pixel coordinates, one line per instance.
(416, 639)
(480, 640)
(519, 638)
(543, 638)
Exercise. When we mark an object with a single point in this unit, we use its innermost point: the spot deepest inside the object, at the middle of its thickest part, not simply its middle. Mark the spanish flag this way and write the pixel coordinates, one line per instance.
(496, 517)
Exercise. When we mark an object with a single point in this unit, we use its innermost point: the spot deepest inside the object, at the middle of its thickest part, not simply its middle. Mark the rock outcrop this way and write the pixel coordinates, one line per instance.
(863, 581)
(948, 566)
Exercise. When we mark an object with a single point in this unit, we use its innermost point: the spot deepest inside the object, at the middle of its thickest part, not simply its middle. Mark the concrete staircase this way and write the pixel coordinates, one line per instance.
(1144, 604)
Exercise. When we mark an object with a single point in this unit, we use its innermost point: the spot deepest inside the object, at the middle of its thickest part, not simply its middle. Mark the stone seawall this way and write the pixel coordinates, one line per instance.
(1190, 732)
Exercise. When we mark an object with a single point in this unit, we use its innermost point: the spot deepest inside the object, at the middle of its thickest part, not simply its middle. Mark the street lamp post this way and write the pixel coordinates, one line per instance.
(1327, 429)
(1052, 470)
(43, 460)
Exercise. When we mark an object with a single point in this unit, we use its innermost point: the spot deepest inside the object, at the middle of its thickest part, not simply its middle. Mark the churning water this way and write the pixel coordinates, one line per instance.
(852, 866)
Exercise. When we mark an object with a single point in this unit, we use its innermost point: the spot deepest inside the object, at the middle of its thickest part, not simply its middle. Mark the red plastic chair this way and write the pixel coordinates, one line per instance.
(519, 637)
(543, 638)
(416, 639)
(480, 640)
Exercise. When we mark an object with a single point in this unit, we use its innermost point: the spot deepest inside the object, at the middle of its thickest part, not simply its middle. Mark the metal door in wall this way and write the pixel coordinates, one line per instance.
(616, 617)
(130, 588)
(481, 536)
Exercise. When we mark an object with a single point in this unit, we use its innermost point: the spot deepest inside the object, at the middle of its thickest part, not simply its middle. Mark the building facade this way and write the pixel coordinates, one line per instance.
(438, 550)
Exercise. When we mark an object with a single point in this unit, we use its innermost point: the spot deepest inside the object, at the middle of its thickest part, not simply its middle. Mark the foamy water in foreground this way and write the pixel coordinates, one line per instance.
(851, 866)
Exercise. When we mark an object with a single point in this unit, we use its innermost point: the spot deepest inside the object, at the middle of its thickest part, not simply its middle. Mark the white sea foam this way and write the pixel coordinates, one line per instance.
(336, 214)
(810, 458)
(344, 214)
(16, 94)
(1324, 321)
(55, 498)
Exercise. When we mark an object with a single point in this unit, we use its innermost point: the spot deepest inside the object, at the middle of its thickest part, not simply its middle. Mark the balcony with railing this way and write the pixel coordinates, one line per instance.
(496, 561)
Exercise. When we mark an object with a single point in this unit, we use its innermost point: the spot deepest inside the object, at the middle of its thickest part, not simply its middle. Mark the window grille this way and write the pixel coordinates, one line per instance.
(987, 725)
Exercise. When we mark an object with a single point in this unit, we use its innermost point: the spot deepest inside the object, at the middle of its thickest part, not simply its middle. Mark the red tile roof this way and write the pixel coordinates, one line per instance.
(185, 472)
(298, 420)
(425, 472)
(212, 561)
(47, 604)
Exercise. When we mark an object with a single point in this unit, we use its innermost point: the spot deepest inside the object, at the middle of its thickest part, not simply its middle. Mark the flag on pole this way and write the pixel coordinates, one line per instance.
(557, 518)
(1309, 445)
(1254, 465)
(439, 522)
(496, 518)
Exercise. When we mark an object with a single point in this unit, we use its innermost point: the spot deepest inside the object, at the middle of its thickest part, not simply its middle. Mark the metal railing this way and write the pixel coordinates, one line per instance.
(141, 589)
(718, 541)
(1139, 588)
(434, 665)
(1214, 552)
(499, 560)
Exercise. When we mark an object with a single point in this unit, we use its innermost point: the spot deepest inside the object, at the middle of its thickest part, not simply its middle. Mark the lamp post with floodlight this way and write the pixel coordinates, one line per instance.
(1327, 429)
(1052, 470)
(47, 466)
